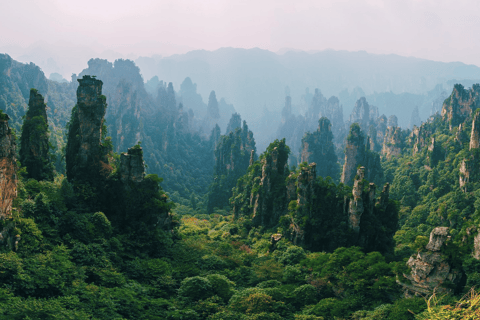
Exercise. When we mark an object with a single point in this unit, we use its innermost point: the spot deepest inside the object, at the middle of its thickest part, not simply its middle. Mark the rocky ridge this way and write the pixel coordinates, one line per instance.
(460, 104)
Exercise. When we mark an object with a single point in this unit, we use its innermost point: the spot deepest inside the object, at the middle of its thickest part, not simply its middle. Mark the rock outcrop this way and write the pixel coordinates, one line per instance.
(434, 153)
(330, 109)
(124, 119)
(460, 104)
(34, 144)
(8, 168)
(363, 114)
(234, 150)
(318, 147)
(354, 154)
(356, 208)
(292, 127)
(213, 113)
(383, 200)
(269, 198)
(376, 133)
(420, 136)
(464, 174)
(304, 193)
(234, 153)
(86, 155)
(306, 179)
(475, 135)
(234, 123)
(392, 121)
(393, 143)
(132, 167)
(430, 271)
(415, 120)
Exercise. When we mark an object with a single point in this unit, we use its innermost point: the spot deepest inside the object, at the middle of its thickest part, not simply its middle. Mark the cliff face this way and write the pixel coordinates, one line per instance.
(318, 147)
(312, 211)
(460, 104)
(125, 92)
(16, 81)
(354, 154)
(292, 127)
(34, 147)
(124, 120)
(304, 193)
(430, 270)
(421, 137)
(234, 153)
(355, 208)
(132, 167)
(464, 174)
(268, 204)
(392, 121)
(328, 108)
(234, 123)
(469, 167)
(393, 143)
(475, 135)
(86, 156)
(363, 114)
(376, 133)
(8, 168)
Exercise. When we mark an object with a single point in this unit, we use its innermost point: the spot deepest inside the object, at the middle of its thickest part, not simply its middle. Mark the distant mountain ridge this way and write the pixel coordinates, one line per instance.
(251, 78)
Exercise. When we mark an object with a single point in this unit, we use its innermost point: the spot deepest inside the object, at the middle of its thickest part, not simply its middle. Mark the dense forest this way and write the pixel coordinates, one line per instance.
(121, 199)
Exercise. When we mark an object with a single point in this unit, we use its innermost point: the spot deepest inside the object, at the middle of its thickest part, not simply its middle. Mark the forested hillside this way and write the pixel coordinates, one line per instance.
(117, 203)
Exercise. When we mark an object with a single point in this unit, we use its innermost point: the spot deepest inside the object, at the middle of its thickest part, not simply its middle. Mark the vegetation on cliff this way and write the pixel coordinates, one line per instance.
(34, 144)
(233, 155)
(104, 242)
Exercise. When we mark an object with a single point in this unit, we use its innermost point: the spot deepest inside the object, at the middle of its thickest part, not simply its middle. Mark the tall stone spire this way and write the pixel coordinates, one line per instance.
(86, 156)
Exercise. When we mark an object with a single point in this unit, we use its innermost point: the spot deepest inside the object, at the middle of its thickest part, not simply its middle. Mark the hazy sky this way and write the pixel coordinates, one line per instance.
(437, 29)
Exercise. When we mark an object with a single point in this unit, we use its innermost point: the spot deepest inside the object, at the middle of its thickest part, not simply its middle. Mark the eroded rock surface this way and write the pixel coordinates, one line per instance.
(132, 167)
(86, 156)
(318, 147)
(460, 104)
(393, 143)
(354, 154)
(8, 168)
(430, 270)
(475, 135)
(356, 208)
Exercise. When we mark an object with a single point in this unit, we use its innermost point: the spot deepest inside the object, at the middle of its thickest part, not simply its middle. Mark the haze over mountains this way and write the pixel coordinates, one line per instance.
(252, 79)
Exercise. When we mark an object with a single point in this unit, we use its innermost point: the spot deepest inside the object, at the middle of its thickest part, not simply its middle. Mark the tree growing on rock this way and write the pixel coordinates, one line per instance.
(34, 145)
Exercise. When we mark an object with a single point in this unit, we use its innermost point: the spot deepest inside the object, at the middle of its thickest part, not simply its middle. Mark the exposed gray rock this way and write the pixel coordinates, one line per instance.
(475, 135)
(132, 167)
(8, 168)
(430, 271)
(356, 208)
(438, 237)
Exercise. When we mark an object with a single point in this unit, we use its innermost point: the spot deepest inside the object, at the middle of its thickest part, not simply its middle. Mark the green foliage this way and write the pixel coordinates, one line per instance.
(35, 147)
(195, 288)
(232, 158)
(321, 150)
(292, 255)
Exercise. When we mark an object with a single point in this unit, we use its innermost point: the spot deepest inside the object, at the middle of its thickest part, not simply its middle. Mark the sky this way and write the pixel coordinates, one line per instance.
(432, 29)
